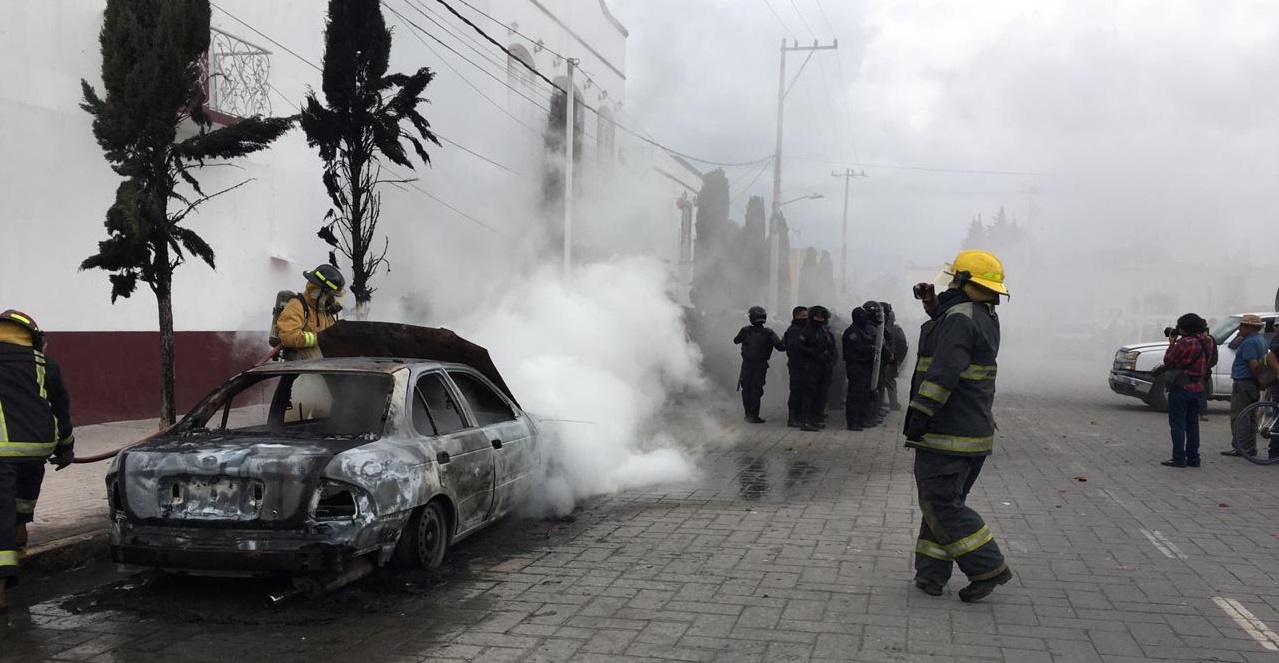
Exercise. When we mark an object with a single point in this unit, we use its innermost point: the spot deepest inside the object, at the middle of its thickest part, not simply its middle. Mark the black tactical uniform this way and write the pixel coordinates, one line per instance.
(897, 341)
(758, 343)
(859, 357)
(794, 365)
(817, 348)
(950, 424)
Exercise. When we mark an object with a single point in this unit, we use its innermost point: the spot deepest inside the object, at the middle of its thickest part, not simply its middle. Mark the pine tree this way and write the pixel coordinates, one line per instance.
(151, 60)
(710, 246)
(362, 123)
(976, 236)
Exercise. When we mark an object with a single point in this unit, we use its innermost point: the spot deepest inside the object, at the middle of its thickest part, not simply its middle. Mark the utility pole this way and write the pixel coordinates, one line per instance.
(848, 175)
(775, 245)
(570, 102)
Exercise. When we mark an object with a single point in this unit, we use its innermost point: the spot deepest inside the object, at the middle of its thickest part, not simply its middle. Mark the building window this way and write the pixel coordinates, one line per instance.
(236, 78)
(606, 135)
(521, 84)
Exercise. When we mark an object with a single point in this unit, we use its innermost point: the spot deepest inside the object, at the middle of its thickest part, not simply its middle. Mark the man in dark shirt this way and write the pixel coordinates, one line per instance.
(758, 343)
(1187, 356)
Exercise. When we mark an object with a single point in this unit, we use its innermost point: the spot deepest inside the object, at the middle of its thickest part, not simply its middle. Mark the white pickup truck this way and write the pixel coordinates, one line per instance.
(1138, 370)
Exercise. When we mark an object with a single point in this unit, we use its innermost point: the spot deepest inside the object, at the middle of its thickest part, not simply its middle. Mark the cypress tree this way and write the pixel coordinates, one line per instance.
(362, 122)
(151, 78)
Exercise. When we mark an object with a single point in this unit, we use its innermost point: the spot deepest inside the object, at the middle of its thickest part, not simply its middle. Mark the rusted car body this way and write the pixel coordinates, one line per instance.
(302, 467)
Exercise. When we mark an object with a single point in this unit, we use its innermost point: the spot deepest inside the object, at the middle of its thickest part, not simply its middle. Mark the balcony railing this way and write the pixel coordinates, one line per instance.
(236, 78)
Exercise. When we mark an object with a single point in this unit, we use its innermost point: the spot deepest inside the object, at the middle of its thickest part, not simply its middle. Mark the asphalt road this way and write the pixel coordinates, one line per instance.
(789, 547)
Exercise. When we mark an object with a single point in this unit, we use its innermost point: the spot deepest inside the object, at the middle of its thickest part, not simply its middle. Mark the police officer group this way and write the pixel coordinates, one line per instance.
(948, 422)
(871, 349)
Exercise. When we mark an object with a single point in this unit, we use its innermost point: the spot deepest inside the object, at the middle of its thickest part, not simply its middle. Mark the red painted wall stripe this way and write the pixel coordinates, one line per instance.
(115, 376)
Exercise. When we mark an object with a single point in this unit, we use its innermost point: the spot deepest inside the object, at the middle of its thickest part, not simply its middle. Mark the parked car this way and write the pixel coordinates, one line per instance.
(1138, 369)
(311, 466)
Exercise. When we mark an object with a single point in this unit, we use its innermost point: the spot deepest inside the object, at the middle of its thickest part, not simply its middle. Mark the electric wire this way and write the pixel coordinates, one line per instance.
(752, 183)
(556, 86)
(803, 20)
(779, 19)
(843, 86)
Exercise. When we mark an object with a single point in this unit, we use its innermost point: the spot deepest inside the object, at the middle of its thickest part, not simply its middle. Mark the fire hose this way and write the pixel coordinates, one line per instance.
(112, 454)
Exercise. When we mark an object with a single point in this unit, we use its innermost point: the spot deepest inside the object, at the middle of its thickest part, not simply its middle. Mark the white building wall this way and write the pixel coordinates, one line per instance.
(55, 186)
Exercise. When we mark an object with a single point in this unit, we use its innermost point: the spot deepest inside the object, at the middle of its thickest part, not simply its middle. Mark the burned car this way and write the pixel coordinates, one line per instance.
(311, 467)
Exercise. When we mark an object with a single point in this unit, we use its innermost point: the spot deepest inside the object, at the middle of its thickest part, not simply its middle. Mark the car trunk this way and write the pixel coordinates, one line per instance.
(240, 482)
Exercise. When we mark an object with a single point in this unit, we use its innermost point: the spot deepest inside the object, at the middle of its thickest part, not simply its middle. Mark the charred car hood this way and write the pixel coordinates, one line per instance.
(227, 481)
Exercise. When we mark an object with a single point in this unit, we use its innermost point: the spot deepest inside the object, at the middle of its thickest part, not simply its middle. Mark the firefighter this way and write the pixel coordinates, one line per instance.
(794, 362)
(950, 425)
(35, 423)
(758, 343)
(311, 312)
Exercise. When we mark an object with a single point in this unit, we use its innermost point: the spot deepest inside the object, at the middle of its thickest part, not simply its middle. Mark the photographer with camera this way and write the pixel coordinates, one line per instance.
(1190, 351)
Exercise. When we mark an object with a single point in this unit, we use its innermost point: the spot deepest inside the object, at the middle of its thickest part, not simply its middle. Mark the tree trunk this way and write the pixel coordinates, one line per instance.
(359, 279)
(164, 300)
(361, 311)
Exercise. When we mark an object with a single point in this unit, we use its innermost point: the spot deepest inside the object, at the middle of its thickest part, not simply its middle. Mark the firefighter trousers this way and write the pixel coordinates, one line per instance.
(951, 532)
(19, 488)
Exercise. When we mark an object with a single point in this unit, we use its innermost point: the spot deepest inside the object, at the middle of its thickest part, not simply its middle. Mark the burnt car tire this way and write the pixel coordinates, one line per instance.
(425, 539)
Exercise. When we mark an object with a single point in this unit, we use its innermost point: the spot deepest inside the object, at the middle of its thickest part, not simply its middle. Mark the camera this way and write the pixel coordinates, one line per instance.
(1170, 331)
(922, 290)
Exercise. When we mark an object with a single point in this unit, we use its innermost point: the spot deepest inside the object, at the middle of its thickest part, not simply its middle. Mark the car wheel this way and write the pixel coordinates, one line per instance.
(425, 539)
(1158, 397)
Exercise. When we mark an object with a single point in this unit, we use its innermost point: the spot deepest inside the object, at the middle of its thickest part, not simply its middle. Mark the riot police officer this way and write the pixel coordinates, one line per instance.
(758, 343)
(859, 359)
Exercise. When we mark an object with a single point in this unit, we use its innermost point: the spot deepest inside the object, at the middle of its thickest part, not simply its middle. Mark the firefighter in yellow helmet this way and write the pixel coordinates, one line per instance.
(950, 425)
(311, 312)
(35, 423)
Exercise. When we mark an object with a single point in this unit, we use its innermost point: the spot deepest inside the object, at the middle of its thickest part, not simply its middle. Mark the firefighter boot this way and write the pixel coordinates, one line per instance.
(982, 588)
(21, 536)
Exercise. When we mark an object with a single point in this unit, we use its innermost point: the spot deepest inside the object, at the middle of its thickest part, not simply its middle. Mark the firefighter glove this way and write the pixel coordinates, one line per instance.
(62, 457)
(916, 425)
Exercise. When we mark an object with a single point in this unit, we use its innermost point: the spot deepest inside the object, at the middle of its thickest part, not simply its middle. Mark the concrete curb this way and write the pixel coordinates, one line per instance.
(64, 553)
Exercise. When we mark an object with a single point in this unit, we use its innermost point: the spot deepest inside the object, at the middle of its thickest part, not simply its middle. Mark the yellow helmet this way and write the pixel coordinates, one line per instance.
(982, 267)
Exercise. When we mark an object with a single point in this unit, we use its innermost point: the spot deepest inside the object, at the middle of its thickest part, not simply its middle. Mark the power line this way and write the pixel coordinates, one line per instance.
(260, 34)
(556, 86)
(388, 168)
(748, 186)
(779, 19)
(843, 85)
(527, 38)
(926, 169)
(803, 20)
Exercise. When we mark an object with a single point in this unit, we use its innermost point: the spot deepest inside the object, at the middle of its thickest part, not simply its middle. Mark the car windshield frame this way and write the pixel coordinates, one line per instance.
(216, 407)
(1225, 329)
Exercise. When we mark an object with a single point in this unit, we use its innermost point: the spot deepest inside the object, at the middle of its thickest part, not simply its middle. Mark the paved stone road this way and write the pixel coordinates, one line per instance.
(791, 547)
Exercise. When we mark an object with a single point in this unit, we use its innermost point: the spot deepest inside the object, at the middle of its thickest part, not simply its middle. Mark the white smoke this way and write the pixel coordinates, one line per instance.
(598, 357)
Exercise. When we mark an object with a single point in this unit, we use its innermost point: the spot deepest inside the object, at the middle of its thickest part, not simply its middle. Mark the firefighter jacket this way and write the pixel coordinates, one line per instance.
(954, 381)
(758, 343)
(35, 410)
(301, 321)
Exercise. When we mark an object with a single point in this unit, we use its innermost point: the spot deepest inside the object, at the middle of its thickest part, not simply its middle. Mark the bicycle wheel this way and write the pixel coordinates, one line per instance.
(1263, 419)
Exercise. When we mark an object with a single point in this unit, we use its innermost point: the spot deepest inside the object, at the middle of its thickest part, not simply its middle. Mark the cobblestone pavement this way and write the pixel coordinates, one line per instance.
(791, 547)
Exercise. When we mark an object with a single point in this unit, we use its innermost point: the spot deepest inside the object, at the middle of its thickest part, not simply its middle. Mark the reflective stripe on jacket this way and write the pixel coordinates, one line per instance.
(35, 409)
(299, 326)
(954, 381)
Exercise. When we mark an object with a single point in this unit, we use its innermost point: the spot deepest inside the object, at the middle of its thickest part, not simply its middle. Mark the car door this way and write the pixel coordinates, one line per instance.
(508, 434)
(464, 451)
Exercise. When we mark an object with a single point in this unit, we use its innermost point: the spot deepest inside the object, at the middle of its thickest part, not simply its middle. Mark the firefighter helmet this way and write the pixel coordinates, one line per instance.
(26, 322)
(327, 277)
(981, 268)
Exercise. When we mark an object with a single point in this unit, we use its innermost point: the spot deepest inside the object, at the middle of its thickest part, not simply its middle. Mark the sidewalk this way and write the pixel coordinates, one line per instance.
(73, 502)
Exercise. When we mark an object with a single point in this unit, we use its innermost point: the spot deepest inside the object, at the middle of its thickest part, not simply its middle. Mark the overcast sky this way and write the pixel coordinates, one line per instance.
(1143, 125)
